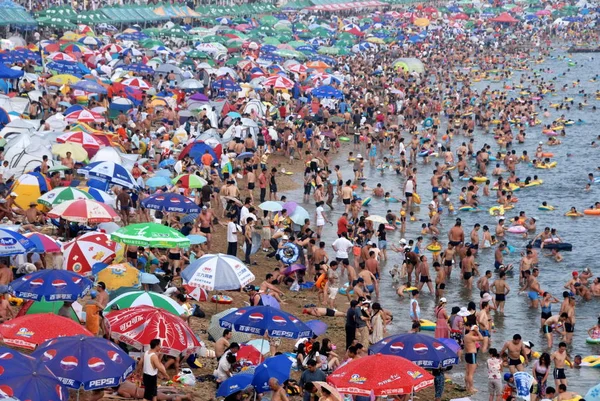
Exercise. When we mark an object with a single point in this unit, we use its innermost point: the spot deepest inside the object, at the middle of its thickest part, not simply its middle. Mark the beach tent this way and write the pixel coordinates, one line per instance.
(25, 153)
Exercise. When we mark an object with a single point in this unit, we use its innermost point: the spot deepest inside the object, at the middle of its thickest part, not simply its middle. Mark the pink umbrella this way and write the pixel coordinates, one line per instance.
(543, 12)
(136, 83)
(292, 269)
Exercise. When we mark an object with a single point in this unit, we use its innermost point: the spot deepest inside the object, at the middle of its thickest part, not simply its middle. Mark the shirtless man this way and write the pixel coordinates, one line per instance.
(205, 221)
(501, 290)
(34, 215)
(515, 350)
(475, 238)
(68, 161)
(468, 264)
(320, 258)
(483, 284)
(554, 323)
(223, 343)
(471, 338)
(456, 235)
(533, 286)
(347, 195)
(320, 312)
(369, 278)
(559, 357)
(448, 259)
(483, 321)
(123, 203)
(524, 266)
(440, 280)
(267, 288)
(279, 393)
(6, 312)
(424, 277)
(6, 276)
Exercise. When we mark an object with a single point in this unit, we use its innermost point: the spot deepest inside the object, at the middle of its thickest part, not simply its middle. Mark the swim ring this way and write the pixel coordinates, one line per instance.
(591, 340)
(480, 179)
(516, 229)
(569, 214)
(289, 254)
(392, 200)
(592, 212)
(547, 208)
(427, 325)
(416, 198)
(221, 299)
(344, 289)
(428, 123)
(366, 201)
(591, 361)
(344, 139)
(499, 209)
(434, 248)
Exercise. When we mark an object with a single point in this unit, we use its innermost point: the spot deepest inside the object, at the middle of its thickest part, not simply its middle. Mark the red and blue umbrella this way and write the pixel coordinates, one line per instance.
(425, 351)
(88, 362)
(26, 378)
(170, 202)
(51, 285)
(266, 319)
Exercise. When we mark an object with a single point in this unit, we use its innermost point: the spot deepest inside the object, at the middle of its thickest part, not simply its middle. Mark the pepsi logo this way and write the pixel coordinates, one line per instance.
(186, 200)
(159, 198)
(1, 370)
(69, 363)
(7, 390)
(6, 355)
(420, 348)
(439, 347)
(59, 284)
(37, 282)
(397, 347)
(295, 321)
(279, 320)
(96, 364)
(48, 355)
(76, 280)
(256, 317)
(240, 312)
(207, 269)
(115, 357)
(175, 201)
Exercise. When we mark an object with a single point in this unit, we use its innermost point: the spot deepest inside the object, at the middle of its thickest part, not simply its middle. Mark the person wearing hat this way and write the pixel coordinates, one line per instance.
(358, 166)
(442, 330)
(34, 215)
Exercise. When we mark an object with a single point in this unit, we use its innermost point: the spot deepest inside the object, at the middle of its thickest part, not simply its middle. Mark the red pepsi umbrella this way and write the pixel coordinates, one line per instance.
(380, 375)
(29, 331)
(140, 325)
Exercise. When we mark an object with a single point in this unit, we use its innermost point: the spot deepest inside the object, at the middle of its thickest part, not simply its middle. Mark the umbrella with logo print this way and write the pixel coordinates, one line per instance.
(422, 350)
(29, 331)
(26, 378)
(261, 320)
(51, 285)
(380, 375)
(13, 243)
(170, 202)
(88, 362)
(87, 250)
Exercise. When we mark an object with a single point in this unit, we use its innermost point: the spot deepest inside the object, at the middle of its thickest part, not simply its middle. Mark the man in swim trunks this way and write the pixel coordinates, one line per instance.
(559, 358)
(320, 312)
(554, 323)
(533, 287)
(205, 220)
(448, 259)
(456, 235)
(483, 321)
(471, 338)
(515, 350)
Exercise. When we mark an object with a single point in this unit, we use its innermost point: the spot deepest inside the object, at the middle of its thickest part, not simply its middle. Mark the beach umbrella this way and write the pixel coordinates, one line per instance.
(51, 285)
(25, 377)
(43, 243)
(380, 375)
(110, 172)
(235, 384)
(317, 326)
(138, 68)
(262, 320)
(278, 367)
(197, 293)
(140, 325)
(279, 83)
(86, 250)
(300, 215)
(119, 275)
(29, 331)
(158, 181)
(84, 116)
(150, 235)
(216, 331)
(189, 181)
(217, 272)
(29, 187)
(136, 83)
(84, 211)
(133, 299)
(90, 86)
(76, 150)
(293, 269)
(62, 79)
(60, 56)
(14, 243)
(83, 361)
(99, 195)
(424, 351)
(170, 202)
(87, 141)
(191, 84)
(42, 306)
(271, 206)
(196, 239)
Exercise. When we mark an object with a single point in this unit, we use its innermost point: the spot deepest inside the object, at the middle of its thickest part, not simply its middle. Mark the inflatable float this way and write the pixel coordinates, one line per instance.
(366, 201)
(547, 208)
(591, 340)
(516, 230)
(221, 299)
(427, 325)
(592, 212)
(561, 246)
(344, 139)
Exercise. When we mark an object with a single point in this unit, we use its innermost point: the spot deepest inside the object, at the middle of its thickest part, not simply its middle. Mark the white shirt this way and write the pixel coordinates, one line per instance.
(244, 213)
(232, 230)
(223, 367)
(341, 246)
(148, 368)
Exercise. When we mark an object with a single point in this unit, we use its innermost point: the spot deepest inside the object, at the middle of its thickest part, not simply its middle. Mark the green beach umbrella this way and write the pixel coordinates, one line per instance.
(138, 298)
(268, 20)
(233, 61)
(150, 234)
(62, 194)
(43, 306)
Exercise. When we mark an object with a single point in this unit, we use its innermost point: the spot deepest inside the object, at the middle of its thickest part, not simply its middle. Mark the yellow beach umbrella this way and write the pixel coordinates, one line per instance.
(421, 22)
(119, 275)
(373, 39)
(77, 151)
(62, 79)
(71, 36)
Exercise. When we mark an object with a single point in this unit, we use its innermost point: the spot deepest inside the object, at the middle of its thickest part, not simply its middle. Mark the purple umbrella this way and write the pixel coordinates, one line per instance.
(292, 269)
(290, 207)
(328, 134)
(269, 300)
(199, 97)
(318, 327)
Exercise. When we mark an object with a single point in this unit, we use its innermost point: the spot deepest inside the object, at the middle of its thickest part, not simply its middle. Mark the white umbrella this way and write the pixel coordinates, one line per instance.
(218, 272)
(191, 84)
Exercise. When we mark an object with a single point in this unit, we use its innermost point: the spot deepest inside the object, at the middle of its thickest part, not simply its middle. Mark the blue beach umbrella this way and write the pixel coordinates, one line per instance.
(13, 243)
(266, 319)
(234, 384)
(94, 361)
(170, 202)
(424, 351)
(51, 285)
(90, 86)
(27, 378)
(277, 366)
(158, 181)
